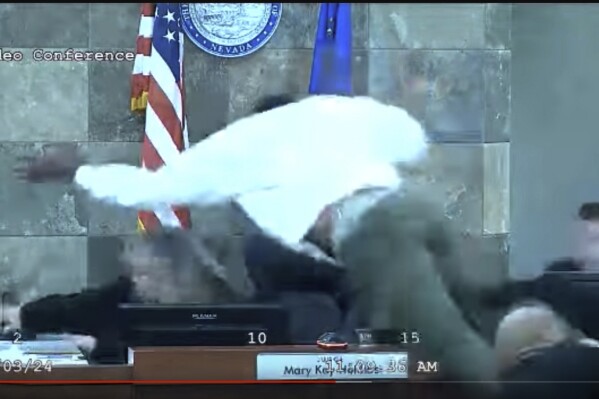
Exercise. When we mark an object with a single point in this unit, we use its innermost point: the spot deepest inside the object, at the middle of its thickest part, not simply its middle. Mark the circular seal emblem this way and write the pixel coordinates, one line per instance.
(230, 29)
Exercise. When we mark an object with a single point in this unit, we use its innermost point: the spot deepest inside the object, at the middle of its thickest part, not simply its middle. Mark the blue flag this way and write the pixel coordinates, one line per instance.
(332, 62)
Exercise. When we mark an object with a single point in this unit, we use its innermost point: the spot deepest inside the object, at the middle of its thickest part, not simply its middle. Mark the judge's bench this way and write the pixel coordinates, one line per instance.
(211, 372)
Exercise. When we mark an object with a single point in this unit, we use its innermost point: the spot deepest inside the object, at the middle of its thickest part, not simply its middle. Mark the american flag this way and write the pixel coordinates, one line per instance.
(157, 87)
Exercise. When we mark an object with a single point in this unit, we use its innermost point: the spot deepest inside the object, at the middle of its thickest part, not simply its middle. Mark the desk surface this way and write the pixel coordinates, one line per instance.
(264, 348)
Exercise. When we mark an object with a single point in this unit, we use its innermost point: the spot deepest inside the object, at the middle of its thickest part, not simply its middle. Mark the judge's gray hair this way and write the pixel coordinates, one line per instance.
(207, 268)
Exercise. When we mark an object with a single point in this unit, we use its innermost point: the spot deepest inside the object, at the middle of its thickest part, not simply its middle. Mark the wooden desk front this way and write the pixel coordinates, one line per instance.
(196, 363)
(213, 363)
(239, 364)
(47, 384)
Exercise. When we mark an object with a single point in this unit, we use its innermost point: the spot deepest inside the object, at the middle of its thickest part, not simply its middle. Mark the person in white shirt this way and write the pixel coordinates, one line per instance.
(282, 166)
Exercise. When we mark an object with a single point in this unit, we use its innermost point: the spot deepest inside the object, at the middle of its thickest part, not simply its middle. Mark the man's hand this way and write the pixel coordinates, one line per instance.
(57, 163)
(83, 342)
(11, 318)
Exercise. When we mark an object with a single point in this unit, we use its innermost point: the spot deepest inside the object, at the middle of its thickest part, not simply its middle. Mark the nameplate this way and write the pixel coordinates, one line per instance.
(332, 366)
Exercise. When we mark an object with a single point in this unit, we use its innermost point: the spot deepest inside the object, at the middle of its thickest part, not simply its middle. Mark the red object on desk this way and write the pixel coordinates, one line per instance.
(331, 341)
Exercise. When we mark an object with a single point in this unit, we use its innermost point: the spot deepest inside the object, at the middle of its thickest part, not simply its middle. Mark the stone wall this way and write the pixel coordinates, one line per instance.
(449, 64)
(555, 140)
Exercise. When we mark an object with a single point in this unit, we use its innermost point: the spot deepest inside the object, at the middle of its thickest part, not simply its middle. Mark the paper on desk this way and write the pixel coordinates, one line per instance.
(50, 347)
(62, 360)
(49, 337)
(9, 351)
(130, 356)
(63, 354)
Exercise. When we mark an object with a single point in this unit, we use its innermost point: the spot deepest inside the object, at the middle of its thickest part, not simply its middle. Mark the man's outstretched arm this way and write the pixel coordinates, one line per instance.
(140, 188)
(186, 180)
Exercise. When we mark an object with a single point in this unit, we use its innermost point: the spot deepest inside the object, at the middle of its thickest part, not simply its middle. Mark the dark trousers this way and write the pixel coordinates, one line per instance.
(274, 267)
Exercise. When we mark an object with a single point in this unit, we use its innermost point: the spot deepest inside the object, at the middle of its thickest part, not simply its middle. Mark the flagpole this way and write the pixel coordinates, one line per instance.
(332, 62)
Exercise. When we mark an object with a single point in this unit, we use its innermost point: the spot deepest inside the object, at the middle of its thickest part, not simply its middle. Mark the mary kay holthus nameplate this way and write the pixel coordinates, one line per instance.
(332, 366)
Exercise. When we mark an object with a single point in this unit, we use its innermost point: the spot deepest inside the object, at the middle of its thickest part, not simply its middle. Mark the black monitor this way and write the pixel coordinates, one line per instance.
(203, 325)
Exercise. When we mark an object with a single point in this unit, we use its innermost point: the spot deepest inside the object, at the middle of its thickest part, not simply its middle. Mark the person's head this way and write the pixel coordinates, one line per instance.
(268, 103)
(151, 268)
(588, 221)
(528, 326)
(165, 268)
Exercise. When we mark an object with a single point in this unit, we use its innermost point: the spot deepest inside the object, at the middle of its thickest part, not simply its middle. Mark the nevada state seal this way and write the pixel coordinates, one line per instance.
(230, 29)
